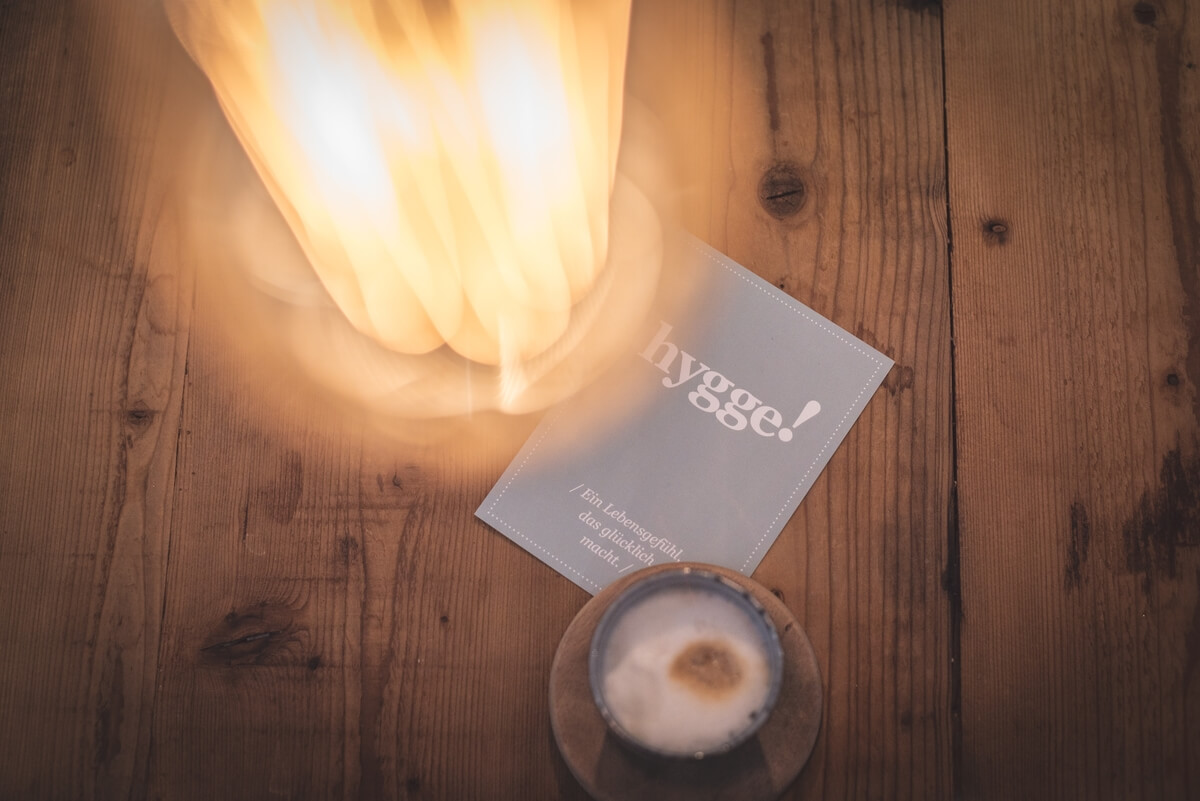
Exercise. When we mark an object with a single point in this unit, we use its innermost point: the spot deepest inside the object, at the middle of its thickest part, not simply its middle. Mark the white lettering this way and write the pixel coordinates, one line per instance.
(713, 393)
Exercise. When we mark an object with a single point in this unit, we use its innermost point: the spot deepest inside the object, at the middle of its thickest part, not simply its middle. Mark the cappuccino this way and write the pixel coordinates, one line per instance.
(686, 669)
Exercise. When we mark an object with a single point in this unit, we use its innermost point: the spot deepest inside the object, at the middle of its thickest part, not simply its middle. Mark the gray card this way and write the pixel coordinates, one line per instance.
(701, 446)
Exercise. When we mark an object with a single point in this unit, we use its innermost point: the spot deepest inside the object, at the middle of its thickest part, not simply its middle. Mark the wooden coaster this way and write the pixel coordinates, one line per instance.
(761, 768)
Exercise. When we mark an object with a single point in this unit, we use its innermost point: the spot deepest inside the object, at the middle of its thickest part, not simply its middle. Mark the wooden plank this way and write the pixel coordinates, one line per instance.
(94, 318)
(337, 622)
(1074, 156)
(809, 142)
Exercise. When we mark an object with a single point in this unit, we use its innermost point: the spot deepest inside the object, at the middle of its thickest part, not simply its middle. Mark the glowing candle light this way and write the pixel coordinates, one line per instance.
(447, 166)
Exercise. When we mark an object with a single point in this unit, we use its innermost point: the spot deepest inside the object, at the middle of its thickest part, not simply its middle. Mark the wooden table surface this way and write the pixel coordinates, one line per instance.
(211, 591)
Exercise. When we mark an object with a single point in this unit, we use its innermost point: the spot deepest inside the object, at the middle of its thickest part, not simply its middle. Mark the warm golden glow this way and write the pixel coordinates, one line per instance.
(447, 166)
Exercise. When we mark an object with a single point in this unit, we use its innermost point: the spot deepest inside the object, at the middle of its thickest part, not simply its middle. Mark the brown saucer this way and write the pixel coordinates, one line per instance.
(761, 768)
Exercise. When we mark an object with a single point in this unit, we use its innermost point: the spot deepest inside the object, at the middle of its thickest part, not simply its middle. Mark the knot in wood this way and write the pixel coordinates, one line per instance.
(139, 415)
(781, 191)
(995, 231)
(1145, 13)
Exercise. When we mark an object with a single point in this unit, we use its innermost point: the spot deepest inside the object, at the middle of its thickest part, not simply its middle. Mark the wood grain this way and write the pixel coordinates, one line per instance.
(339, 625)
(831, 112)
(94, 316)
(210, 591)
(210, 588)
(1074, 143)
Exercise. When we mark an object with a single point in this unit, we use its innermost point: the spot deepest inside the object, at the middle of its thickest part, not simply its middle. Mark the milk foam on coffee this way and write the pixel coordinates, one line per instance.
(686, 670)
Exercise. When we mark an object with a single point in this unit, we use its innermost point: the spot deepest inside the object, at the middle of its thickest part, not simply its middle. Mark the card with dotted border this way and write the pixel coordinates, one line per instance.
(739, 405)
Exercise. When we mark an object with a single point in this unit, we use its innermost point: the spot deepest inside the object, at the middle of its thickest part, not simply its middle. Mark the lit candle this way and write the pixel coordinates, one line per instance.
(685, 663)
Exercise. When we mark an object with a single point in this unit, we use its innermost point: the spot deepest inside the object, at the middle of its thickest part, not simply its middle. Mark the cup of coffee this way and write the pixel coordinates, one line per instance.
(685, 663)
